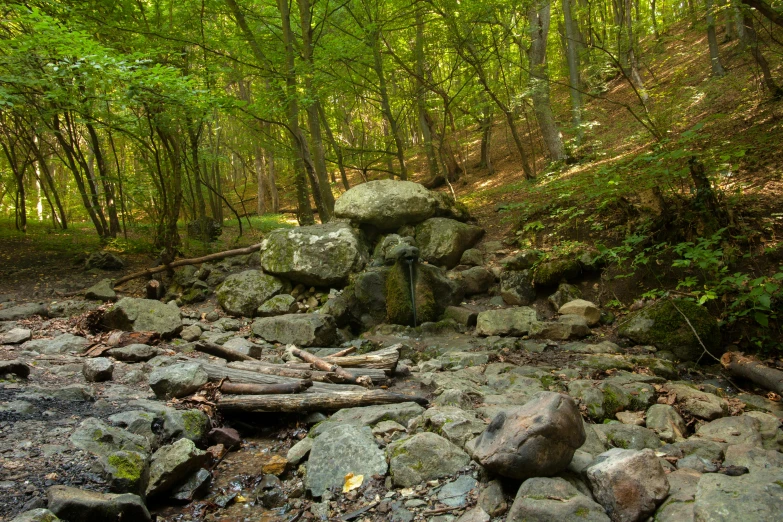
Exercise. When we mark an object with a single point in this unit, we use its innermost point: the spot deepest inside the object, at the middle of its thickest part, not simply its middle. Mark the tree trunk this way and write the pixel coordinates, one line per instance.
(386, 105)
(712, 38)
(229, 388)
(327, 198)
(572, 58)
(421, 104)
(751, 369)
(336, 147)
(313, 401)
(753, 42)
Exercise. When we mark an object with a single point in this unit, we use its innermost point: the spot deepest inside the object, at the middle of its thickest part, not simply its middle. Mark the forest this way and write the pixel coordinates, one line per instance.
(129, 120)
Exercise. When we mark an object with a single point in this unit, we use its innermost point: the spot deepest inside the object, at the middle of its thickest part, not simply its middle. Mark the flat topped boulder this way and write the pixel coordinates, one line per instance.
(387, 204)
(318, 255)
(143, 315)
(241, 294)
(298, 329)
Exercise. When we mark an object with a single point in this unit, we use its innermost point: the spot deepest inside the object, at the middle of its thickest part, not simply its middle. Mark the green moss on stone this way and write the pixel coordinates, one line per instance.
(194, 423)
(399, 308)
(128, 466)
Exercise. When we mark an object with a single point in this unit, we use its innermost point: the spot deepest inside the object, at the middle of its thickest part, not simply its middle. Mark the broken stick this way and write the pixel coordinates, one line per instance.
(753, 370)
(329, 367)
(221, 351)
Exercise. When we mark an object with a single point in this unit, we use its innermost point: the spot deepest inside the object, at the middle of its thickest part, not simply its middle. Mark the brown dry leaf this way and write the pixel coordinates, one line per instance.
(773, 396)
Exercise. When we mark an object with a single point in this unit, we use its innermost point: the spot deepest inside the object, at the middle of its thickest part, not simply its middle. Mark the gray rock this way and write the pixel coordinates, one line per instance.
(602, 347)
(126, 471)
(537, 439)
(36, 515)
(171, 424)
(245, 347)
(492, 499)
(299, 451)
(756, 497)
(516, 287)
(455, 493)
(566, 327)
(101, 291)
(23, 311)
(708, 450)
(697, 463)
(564, 294)
(341, 450)
(98, 438)
(143, 315)
(98, 369)
(386, 204)
(422, 457)
(471, 515)
(298, 329)
(553, 500)
(583, 308)
(61, 344)
(171, 465)
(442, 241)
(241, 294)
(475, 280)
(195, 486)
(177, 380)
(89, 506)
(434, 292)
(472, 257)
(553, 271)
(277, 305)
(678, 507)
(732, 430)
(370, 416)
(522, 260)
(15, 367)
(72, 392)
(456, 425)
(666, 422)
(134, 353)
(629, 484)
(387, 250)
(663, 326)
(461, 315)
(515, 321)
(105, 261)
(698, 403)
(628, 436)
(71, 307)
(190, 333)
(770, 428)
(15, 336)
(459, 360)
(318, 255)
(752, 457)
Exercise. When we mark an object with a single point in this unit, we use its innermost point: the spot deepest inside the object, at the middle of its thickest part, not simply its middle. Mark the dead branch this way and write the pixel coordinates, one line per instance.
(192, 261)
(753, 370)
(316, 401)
(221, 351)
(329, 366)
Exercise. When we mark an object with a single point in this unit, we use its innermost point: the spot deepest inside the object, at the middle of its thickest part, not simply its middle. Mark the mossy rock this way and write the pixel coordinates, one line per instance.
(127, 472)
(551, 272)
(433, 292)
(663, 326)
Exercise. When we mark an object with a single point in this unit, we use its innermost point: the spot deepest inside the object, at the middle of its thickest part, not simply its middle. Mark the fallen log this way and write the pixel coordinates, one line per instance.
(221, 351)
(183, 262)
(231, 388)
(317, 401)
(385, 359)
(377, 376)
(325, 366)
(753, 370)
(216, 373)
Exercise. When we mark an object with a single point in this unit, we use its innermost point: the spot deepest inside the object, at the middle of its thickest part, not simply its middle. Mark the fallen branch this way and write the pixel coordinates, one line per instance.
(192, 261)
(377, 376)
(325, 366)
(221, 351)
(347, 351)
(215, 373)
(316, 401)
(753, 370)
(385, 359)
(231, 388)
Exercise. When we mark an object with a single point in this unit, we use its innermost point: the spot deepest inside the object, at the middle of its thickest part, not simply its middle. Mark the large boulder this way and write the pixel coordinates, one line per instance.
(318, 255)
(537, 439)
(442, 241)
(663, 326)
(298, 329)
(241, 294)
(171, 465)
(89, 506)
(629, 484)
(341, 450)
(143, 315)
(516, 287)
(434, 292)
(23, 311)
(386, 204)
(516, 321)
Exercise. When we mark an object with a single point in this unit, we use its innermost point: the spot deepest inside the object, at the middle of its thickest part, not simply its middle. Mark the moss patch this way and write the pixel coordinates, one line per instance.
(127, 466)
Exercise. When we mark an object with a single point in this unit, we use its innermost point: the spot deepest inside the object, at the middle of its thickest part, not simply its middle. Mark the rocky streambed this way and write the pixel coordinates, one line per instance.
(516, 395)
